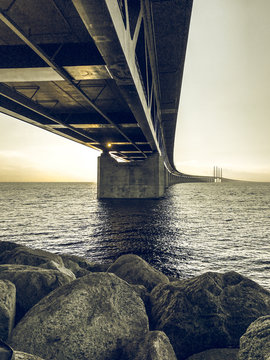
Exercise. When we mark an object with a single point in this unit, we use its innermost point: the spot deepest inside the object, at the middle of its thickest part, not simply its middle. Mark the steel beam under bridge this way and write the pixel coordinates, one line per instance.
(104, 73)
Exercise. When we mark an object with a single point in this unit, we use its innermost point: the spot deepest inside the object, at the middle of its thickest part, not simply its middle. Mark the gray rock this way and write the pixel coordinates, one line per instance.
(209, 311)
(84, 263)
(77, 261)
(96, 267)
(8, 246)
(32, 284)
(80, 266)
(93, 317)
(155, 346)
(216, 354)
(72, 266)
(75, 268)
(52, 265)
(255, 343)
(142, 292)
(27, 256)
(81, 272)
(7, 308)
(7, 353)
(4, 354)
(144, 295)
(135, 270)
(19, 355)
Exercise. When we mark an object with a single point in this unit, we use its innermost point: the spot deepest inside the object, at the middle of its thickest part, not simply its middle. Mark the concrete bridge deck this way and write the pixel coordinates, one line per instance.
(104, 73)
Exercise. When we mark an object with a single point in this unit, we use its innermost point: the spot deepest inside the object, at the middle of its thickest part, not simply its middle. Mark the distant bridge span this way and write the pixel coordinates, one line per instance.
(104, 73)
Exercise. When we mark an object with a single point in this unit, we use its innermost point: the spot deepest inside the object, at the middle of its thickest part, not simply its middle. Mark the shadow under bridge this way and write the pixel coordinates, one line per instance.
(104, 73)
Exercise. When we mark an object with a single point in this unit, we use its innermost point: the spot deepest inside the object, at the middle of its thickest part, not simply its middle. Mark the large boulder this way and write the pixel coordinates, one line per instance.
(135, 270)
(93, 317)
(154, 346)
(209, 311)
(216, 354)
(7, 308)
(255, 343)
(32, 284)
(27, 256)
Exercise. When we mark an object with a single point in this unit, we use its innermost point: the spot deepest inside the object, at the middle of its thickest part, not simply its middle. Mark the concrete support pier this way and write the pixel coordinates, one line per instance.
(133, 180)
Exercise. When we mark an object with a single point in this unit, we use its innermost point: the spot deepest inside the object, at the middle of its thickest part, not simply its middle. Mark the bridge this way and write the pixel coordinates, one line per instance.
(104, 73)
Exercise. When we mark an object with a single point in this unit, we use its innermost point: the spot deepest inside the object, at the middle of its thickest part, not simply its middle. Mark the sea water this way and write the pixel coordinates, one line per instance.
(196, 227)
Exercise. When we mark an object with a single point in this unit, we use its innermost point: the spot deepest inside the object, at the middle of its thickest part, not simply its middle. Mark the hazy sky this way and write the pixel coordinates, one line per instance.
(28, 153)
(224, 116)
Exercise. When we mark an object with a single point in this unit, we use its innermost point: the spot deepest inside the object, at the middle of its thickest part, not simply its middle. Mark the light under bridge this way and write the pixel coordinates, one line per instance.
(104, 73)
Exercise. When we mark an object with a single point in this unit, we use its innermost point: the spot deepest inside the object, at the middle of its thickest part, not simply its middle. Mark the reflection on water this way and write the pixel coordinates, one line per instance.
(141, 227)
(193, 229)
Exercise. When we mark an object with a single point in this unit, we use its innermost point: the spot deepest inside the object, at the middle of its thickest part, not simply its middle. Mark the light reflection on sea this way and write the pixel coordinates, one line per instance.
(194, 228)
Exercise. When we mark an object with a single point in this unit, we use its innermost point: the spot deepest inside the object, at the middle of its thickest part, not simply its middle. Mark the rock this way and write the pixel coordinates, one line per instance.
(26, 256)
(93, 317)
(142, 292)
(75, 268)
(7, 353)
(75, 261)
(144, 295)
(155, 346)
(4, 354)
(216, 354)
(96, 267)
(255, 343)
(81, 273)
(32, 284)
(7, 246)
(135, 270)
(19, 355)
(7, 308)
(72, 266)
(80, 266)
(209, 311)
(52, 265)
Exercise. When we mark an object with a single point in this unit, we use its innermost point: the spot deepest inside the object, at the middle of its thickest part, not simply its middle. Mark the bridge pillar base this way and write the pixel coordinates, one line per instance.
(134, 180)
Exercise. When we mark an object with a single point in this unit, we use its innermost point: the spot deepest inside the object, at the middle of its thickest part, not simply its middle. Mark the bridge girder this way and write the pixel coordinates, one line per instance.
(100, 72)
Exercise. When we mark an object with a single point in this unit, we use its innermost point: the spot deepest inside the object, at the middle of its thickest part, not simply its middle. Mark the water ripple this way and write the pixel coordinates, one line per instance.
(195, 228)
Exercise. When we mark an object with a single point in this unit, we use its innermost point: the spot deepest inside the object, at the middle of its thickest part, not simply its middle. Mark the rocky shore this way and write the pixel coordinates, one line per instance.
(62, 307)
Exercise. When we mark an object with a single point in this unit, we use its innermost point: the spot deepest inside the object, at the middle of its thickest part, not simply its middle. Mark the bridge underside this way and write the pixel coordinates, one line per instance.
(104, 73)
